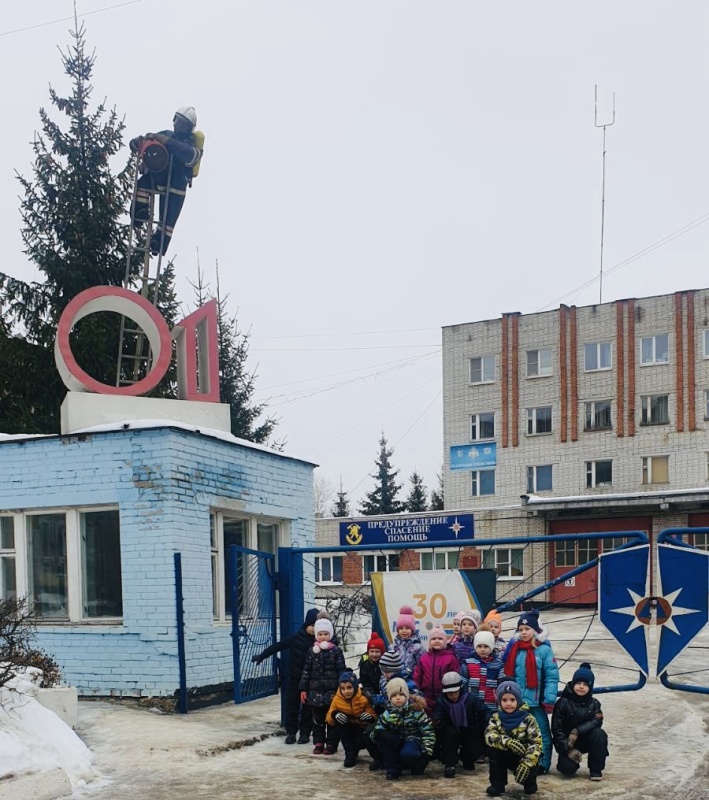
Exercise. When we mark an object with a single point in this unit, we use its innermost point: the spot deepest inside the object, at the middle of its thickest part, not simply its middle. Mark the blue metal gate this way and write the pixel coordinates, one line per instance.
(251, 580)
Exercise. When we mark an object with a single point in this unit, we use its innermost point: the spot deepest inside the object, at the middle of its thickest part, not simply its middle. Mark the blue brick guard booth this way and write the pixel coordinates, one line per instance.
(91, 522)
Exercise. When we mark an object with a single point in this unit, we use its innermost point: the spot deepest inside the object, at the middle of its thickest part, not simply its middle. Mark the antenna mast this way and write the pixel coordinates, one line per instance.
(603, 125)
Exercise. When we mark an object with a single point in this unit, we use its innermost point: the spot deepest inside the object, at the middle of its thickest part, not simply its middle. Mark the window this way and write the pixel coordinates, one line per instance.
(654, 409)
(379, 563)
(8, 579)
(482, 369)
(101, 564)
(706, 343)
(706, 404)
(328, 569)
(227, 529)
(654, 349)
(656, 469)
(538, 420)
(483, 482)
(701, 541)
(599, 473)
(444, 559)
(597, 356)
(575, 553)
(539, 478)
(538, 363)
(598, 415)
(614, 542)
(47, 567)
(507, 562)
(706, 476)
(482, 426)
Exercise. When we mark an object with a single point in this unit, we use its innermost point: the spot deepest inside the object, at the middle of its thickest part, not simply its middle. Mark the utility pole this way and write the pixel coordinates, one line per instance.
(603, 125)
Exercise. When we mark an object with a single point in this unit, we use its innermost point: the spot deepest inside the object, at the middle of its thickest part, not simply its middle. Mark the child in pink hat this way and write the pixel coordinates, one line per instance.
(433, 665)
(407, 643)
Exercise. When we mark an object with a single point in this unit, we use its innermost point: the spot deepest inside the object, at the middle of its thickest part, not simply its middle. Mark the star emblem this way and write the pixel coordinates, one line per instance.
(641, 615)
(456, 527)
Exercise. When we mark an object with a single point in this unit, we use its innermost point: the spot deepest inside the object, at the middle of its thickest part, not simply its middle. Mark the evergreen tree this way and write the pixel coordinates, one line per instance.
(382, 499)
(75, 232)
(342, 504)
(416, 501)
(236, 383)
(437, 495)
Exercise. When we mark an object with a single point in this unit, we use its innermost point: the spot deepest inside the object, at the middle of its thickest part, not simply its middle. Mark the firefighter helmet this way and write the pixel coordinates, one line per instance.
(187, 113)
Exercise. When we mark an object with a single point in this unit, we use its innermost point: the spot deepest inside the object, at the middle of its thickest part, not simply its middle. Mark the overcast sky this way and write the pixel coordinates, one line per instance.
(377, 169)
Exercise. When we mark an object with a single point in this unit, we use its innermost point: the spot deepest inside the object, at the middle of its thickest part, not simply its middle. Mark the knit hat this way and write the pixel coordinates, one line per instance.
(451, 682)
(324, 625)
(473, 615)
(438, 633)
(349, 677)
(375, 640)
(391, 661)
(397, 686)
(494, 616)
(484, 637)
(530, 618)
(583, 673)
(406, 618)
(509, 687)
(459, 616)
(310, 617)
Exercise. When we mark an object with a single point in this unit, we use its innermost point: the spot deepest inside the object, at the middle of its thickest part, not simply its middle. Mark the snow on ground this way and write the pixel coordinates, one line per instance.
(34, 739)
(659, 747)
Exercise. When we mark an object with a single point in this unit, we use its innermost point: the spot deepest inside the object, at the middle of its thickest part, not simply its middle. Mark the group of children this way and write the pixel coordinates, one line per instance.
(467, 699)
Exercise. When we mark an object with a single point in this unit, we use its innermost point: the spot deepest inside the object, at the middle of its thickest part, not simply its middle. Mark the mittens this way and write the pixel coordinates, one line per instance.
(548, 707)
(573, 736)
(365, 716)
(341, 718)
(303, 697)
(256, 660)
(516, 747)
(574, 755)
(522, 772)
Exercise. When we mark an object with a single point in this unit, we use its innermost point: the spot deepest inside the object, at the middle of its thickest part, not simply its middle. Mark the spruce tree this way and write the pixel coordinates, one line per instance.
(342, 504)
(416, 501)
(75, 231)
(382, 499)
(437, 495)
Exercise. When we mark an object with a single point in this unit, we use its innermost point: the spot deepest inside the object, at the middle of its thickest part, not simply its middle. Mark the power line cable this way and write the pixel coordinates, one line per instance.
(71, 18)
(339, 349)
(348, 333)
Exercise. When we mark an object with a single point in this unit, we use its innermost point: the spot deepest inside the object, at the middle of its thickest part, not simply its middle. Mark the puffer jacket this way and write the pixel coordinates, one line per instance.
(369, 674)
(429, 672)
(547, 674)
(482, 676)
(409, 649)
(527, 732)
(571, 711)
(299, 643)
(407, 723)
(380, 699)
(464, 647)
(321, 674)
(356, 705)
(475, 712)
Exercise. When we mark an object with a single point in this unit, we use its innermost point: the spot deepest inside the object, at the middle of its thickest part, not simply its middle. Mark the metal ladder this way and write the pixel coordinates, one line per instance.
(134, 353)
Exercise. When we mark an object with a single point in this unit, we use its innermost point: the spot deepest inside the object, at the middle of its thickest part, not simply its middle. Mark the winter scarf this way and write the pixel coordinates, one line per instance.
(457, 710)
(511, 721)
(530, 664)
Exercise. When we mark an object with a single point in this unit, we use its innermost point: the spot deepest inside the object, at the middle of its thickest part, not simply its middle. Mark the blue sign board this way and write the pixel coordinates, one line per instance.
(624, 605)
(407, 529)
(473, 456)
(683, 600)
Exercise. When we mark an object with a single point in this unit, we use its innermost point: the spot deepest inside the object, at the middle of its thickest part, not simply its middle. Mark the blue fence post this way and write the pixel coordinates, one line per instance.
(234, 601)
(179, 603)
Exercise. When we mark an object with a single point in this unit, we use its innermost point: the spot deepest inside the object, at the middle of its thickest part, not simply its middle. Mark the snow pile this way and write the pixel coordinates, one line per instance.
(34, 739)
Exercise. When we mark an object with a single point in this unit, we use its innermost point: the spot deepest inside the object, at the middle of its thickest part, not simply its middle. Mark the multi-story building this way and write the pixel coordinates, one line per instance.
(578, 420)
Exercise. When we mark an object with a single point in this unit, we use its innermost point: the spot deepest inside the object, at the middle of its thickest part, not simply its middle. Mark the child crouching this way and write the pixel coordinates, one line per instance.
(515, 742)
(459, 720)
(403, 736)
(350, 713)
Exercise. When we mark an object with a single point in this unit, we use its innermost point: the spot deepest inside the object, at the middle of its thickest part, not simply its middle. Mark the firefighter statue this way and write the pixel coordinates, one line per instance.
(168, 161)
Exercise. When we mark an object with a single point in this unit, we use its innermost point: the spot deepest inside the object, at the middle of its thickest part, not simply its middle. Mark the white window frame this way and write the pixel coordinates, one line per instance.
(706, 404)
(533, 421)
(592, 407)
(382, 559)
(648, 478)
(476, 481)
(706, 343)
(476, 423)
(75, 566)
(451, 559)
(653, 361)
(217, 549)
(646, 409)
(599, 347)
(501, 559)
(8, 555)
(543, 370)
(533, 478)
(484, 369)
(319, 559)
(592, 473)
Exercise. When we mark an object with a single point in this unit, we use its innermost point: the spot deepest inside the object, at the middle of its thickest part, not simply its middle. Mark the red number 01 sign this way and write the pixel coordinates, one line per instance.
(195, 336)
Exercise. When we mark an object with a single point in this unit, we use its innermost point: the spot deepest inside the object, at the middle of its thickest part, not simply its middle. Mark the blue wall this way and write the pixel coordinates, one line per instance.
(164, 481)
